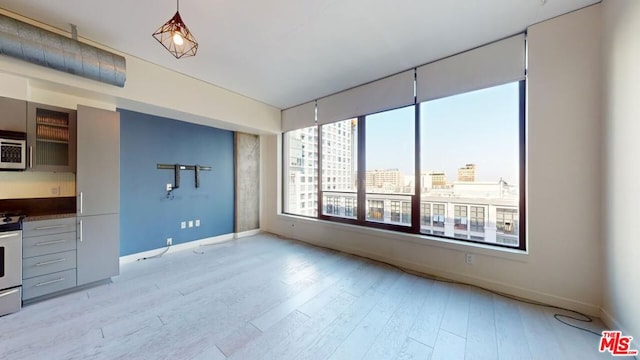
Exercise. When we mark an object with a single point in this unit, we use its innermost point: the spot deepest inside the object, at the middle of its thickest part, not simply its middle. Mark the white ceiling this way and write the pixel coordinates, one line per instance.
(286, 52)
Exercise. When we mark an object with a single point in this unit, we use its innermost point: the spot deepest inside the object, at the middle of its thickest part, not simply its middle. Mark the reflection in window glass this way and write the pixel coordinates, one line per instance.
(301, 169)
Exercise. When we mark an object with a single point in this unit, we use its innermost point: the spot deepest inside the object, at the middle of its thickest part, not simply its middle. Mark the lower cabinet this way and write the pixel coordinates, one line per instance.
(49, 257)
(98, 247)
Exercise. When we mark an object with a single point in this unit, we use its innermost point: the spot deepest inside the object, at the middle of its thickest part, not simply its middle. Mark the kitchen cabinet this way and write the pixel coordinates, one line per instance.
(13, 115)
(48, 256)
(51, 138)
(98, 186)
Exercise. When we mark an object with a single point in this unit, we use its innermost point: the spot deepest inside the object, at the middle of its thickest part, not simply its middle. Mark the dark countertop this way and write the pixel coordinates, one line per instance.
(49, 217)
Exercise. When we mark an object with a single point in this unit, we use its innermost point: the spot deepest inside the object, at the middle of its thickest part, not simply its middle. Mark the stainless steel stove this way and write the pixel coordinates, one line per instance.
(10, 264)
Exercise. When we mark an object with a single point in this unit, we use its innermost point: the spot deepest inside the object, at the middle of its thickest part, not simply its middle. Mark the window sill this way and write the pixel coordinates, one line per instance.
(425, 240)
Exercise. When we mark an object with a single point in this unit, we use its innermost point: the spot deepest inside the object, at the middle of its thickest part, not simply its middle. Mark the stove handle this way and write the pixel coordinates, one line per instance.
(8, 235)
(9, 292)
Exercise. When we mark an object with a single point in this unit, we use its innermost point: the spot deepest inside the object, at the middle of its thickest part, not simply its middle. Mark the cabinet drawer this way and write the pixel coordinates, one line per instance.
(47, 264)
(47, 284)
(47, 227)
(48, 244)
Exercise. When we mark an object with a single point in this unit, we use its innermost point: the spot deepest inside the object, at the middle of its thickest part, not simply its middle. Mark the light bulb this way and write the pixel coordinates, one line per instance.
(177, 39)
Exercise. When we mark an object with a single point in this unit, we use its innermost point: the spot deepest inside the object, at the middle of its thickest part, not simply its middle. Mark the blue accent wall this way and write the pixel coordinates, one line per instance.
(147, 216)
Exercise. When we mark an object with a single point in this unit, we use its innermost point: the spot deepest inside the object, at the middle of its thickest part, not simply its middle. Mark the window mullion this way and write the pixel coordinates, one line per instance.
(362, 167)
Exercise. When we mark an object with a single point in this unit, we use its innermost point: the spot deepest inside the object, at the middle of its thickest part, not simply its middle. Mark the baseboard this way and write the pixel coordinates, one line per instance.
(247, 233)
(178, 247)
(589, 309)
(613, 324)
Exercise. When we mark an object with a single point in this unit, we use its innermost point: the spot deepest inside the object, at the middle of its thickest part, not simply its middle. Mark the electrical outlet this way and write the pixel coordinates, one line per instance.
(183, 225)
(190, 223)
(197, 223)
(169, 187)
(470, 259)
(169, 241)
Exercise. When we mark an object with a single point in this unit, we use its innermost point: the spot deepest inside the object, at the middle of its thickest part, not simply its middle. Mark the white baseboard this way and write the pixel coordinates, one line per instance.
(247, 233)
(589, 309)
(613, 324)
(179, 247)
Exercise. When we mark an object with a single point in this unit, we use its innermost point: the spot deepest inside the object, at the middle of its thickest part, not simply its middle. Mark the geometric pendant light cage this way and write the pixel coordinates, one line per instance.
(175, 36)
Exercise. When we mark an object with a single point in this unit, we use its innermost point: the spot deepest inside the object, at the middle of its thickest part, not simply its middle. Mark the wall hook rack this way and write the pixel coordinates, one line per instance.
(178, 167)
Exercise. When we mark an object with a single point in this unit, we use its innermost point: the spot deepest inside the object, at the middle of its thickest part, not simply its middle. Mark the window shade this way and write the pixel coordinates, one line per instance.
(494, 64)
(299, 117)
(384, 94)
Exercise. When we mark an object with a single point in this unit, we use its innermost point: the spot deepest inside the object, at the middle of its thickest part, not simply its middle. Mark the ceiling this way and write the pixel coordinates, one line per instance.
(286, 52)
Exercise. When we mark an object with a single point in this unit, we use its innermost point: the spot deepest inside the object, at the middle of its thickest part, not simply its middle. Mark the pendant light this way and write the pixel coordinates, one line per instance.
(175, 36)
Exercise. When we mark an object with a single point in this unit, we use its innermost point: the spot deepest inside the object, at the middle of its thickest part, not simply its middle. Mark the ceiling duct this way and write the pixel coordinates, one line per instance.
(42, 47)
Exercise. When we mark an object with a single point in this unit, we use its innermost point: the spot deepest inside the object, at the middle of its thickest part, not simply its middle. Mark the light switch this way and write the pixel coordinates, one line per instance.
(183, 225)
(197, 223)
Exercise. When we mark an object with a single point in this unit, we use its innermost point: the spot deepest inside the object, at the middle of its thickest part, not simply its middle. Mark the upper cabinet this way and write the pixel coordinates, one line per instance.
(51, 138)
(13, 115)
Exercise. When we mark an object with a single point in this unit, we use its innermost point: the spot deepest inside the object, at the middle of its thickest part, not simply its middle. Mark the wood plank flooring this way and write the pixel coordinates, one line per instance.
(268, 298)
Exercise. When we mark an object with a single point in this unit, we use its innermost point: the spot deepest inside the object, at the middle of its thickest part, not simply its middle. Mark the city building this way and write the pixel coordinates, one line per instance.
(390, 180)
(438, 180)
(467, 173)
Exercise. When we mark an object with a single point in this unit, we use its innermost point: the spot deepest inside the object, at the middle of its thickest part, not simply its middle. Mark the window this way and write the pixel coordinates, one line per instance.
(460, 217)
(468, 179)
(477, 218)
(298, 168)
(472, 151)
(438, 215)
(406, 212)
(376, 210)
(395, 211)
(425, 214)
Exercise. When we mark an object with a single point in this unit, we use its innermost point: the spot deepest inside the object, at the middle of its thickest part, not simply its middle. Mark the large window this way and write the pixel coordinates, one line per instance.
(450, 167)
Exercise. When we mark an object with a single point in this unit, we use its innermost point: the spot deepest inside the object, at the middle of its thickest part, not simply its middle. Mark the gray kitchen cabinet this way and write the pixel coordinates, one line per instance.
(98, 248)
(49, 256)
(51, 138)
(13, 115)
(98, 187)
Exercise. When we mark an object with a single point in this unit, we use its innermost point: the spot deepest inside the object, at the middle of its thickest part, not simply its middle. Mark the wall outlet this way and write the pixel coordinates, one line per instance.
(197, 223)
(169, 187)
(169, 241)
(183, 225)
(190, 223)
(470, 259)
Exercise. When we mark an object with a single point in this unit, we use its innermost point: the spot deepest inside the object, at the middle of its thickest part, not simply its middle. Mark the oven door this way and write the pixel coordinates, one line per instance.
(10, 259)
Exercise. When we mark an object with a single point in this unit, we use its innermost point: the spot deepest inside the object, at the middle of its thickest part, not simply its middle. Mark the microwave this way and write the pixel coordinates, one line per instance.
(13, 150)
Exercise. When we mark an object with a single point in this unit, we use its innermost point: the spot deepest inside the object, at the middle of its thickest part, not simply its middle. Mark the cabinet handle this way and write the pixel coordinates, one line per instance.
(80, 230)
(50, 227)
(8, 236)
(50, 262)
(30, 157)
(49, 282)
(9, 293)
(49, 243)
(81, 202)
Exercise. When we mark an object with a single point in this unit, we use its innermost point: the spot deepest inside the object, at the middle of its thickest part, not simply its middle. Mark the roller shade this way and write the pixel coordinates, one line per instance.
(299, 117)
(384, 94)
(494, 64)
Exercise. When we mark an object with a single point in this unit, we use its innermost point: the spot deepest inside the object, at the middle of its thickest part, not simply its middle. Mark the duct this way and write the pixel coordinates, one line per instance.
(42, 47)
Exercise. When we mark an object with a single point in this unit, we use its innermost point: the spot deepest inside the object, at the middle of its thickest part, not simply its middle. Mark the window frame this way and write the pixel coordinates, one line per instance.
(361, 201)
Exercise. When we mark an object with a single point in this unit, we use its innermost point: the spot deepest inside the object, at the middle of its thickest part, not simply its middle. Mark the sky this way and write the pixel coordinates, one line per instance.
(479, 127)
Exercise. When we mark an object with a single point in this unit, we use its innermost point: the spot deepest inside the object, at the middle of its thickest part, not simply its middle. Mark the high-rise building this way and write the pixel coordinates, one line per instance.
(390, 180)
(467, 173)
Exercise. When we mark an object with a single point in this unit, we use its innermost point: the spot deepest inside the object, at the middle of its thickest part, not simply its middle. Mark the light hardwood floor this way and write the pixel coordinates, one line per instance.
(268, 298)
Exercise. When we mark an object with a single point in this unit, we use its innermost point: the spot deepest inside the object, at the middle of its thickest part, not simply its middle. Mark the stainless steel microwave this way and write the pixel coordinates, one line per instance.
(13, 150)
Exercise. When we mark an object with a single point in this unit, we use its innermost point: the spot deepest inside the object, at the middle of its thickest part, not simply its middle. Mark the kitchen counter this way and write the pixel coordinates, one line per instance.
(49, 217)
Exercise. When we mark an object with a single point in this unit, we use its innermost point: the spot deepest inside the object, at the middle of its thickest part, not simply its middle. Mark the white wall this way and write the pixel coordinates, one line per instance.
(563, 265)
(621, 19)
(146, 90)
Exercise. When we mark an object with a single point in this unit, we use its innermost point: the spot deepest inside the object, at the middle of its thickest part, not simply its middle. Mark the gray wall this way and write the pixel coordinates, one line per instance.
(247, 182)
